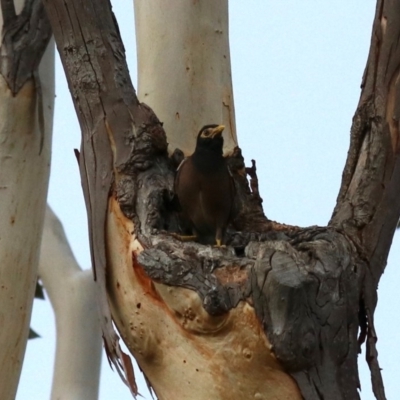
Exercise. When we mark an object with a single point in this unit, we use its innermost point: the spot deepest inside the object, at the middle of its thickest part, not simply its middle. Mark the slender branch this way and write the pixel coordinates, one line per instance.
(24, 40)
(8, 12)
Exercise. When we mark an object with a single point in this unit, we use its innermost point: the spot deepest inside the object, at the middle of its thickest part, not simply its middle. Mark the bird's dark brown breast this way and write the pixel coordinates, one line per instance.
(206, 194)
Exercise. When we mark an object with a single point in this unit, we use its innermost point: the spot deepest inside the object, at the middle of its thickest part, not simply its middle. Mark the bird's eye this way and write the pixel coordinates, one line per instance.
(206, 133)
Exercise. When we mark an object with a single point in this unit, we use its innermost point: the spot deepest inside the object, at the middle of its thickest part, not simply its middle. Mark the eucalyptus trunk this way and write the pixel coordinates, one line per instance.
(26, 118)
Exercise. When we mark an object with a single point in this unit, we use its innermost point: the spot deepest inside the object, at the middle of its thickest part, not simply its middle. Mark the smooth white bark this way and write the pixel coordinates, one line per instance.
(72, 293)
(24, 175)
(184, 68)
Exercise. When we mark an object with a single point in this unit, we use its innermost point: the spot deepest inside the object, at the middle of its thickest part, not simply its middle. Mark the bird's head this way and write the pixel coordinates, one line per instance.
(210, 138)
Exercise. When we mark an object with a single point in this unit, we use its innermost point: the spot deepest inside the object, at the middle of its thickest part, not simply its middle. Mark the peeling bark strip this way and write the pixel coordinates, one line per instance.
(311, 289)
(24, 40)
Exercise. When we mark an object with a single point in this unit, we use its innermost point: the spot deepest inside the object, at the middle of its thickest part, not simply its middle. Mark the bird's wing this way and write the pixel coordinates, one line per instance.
(176, 201)
(178, 173)
(234, 207)
(229, 170)
(181, 163)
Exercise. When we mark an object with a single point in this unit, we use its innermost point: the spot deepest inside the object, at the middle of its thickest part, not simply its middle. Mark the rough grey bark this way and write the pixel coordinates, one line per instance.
(368, 205)
(24, 39)
(313, 289)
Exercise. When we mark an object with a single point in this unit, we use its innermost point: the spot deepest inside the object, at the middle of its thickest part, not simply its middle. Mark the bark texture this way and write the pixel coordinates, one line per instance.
(191, 314)
(24, 39)
(368, 206)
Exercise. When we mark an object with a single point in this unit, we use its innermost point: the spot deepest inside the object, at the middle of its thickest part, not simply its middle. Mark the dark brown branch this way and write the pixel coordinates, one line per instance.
(8, 12)
(24, 40)
(368, 205)
(252, 172)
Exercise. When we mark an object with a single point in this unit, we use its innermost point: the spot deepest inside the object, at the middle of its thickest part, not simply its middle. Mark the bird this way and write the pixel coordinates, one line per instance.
(205, 188)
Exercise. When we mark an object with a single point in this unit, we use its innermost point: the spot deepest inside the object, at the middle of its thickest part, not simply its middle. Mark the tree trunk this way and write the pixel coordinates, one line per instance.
(281, 312)
(191, 62)
(73, 298)
(368, 205)
(26, 114)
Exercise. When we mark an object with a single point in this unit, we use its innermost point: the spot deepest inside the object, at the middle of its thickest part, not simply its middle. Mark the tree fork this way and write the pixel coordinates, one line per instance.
(192, 315)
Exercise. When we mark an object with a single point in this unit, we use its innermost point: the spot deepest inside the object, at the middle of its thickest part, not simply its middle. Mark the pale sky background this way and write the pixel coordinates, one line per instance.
(297, 69)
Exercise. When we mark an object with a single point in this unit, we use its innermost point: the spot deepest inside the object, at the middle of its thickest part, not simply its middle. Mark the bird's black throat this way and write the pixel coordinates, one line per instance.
(208, 159)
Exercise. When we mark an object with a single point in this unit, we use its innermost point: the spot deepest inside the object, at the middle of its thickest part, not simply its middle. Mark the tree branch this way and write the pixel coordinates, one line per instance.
(23, 184)
(73, 297)
(8, 12)
(91, 50)
(24, 40)
(368, 205)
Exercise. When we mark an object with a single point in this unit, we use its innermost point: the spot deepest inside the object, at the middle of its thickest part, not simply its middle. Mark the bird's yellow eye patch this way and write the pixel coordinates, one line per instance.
(206, 133)
(212, 132)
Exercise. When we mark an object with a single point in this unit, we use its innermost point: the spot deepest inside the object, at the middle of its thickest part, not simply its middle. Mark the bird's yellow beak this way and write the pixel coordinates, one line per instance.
(217, 131)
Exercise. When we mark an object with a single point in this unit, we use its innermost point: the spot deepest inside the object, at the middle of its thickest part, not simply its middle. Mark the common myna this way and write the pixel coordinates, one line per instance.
(205, 187)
